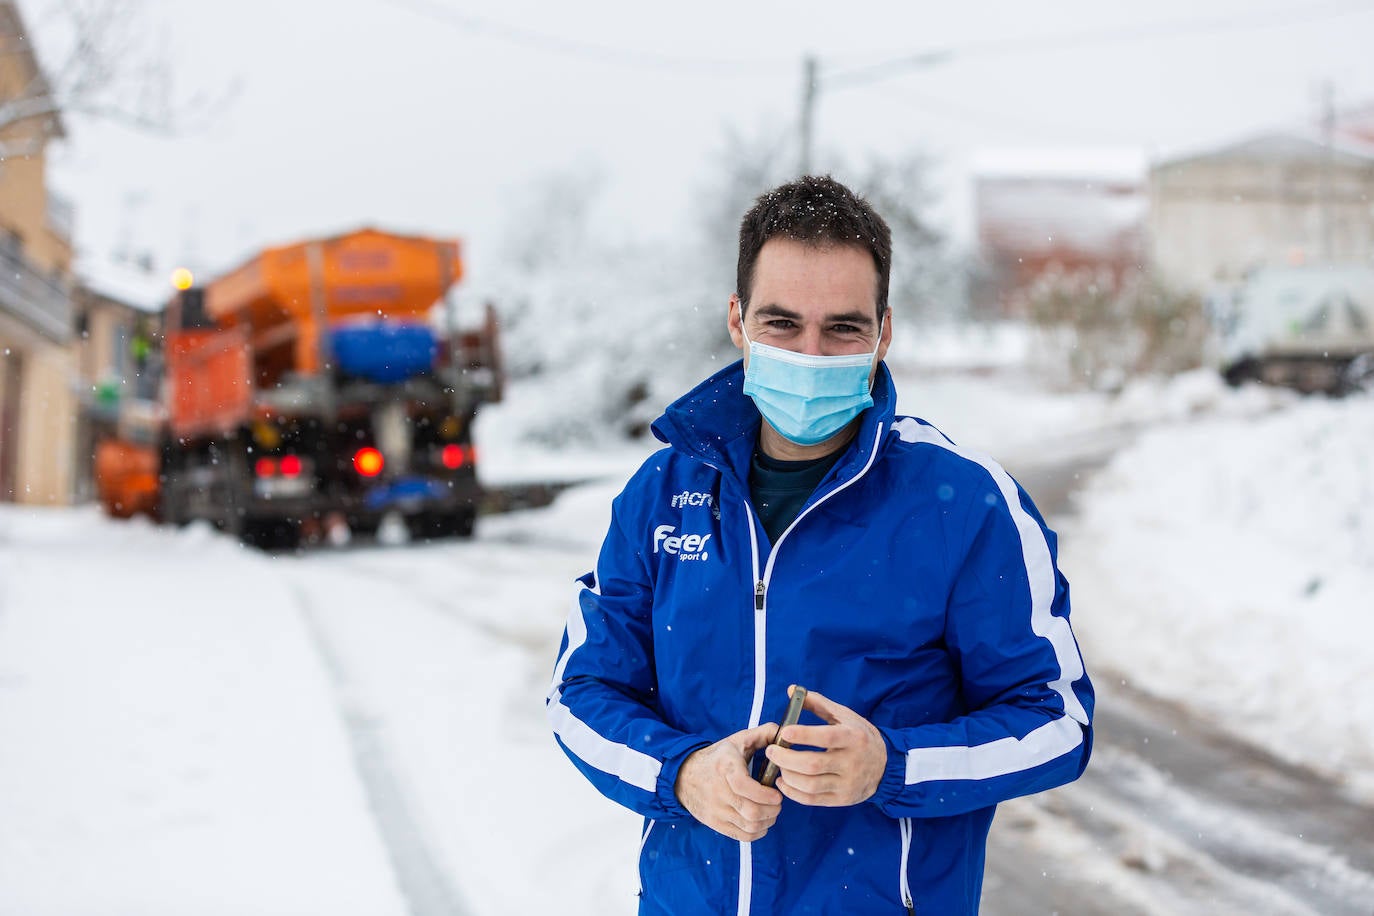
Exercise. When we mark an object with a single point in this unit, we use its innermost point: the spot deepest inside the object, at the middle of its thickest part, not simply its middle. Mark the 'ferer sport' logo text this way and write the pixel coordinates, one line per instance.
(684, 547)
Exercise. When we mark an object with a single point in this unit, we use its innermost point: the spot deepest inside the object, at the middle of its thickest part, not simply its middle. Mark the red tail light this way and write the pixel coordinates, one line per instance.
(291, 465)
(265, 467)
(368, 462)
(453, 457)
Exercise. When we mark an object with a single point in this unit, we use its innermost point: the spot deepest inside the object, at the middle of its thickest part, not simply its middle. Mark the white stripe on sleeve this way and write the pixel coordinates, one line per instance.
(619, 760)
(1001, 756)
(996, 758)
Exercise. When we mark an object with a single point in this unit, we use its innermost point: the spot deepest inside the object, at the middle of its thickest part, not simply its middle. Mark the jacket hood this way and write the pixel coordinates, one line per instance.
(716, 422)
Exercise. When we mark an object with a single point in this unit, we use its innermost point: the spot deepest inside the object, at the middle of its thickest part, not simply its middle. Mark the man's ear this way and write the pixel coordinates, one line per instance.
(885, 337)
(732, 321)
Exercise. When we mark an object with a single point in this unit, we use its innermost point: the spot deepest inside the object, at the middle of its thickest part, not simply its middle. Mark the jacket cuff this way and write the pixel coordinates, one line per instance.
(667, 775)
(894, 774)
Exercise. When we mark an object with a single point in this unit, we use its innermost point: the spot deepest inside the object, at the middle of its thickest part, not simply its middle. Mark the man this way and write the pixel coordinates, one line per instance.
(795, 531)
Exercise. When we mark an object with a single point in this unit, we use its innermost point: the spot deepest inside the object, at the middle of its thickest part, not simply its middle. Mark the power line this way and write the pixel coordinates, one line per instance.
(961, 112)
(439, 11)
(856, 76)
(589, 51)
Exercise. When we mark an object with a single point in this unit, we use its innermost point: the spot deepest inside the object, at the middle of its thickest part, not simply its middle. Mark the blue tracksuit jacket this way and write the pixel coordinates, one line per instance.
(918, 587)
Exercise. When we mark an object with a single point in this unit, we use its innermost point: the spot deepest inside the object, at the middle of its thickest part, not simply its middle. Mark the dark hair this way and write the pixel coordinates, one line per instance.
(817, 210)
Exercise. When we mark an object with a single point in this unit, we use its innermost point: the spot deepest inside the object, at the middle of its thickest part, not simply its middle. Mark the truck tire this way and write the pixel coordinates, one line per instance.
(271, 534)
(1238, 373)
(364, 527)
(237, 485)
(171, 508)
(430, 526)
(461, 523)
(1358, 375)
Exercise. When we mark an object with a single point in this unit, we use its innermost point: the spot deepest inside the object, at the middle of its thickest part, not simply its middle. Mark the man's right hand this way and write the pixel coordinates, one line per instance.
(715, 786)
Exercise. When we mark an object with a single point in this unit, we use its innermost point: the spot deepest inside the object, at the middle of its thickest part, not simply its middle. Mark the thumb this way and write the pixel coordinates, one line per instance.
(757, 738)
(831, 712)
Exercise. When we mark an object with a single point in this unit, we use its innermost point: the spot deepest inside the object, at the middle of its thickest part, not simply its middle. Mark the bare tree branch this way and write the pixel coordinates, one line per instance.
(108, 68)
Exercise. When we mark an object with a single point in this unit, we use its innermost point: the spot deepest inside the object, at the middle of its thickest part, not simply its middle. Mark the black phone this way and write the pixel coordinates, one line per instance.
(794, 709)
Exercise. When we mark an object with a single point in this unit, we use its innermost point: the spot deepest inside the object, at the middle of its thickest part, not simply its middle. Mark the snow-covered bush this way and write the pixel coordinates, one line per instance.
(610, 330)
(614, 329)
(1096, 332)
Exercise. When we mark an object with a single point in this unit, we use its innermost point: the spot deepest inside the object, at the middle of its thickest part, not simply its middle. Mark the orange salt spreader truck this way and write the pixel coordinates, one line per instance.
(308, 388)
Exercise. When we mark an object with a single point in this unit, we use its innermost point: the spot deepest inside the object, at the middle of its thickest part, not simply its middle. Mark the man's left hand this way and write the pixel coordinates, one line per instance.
(847, 768)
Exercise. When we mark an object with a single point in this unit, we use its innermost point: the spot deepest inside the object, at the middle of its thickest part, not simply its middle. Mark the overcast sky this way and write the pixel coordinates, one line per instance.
(434, 115)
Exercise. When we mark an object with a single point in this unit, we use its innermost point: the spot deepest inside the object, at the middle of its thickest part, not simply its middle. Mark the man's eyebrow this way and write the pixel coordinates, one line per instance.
(777, 311)
(859, 318)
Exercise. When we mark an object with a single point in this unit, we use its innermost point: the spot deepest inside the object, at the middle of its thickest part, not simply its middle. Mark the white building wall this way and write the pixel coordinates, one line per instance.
(47, 428)
(1214, 220)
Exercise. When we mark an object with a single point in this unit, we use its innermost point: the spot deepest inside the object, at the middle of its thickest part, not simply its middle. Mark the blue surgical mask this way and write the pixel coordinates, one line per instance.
(808, 399)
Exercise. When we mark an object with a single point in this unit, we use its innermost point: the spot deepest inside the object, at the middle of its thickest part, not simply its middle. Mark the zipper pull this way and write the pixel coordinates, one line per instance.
(910, 907)
(758, 596)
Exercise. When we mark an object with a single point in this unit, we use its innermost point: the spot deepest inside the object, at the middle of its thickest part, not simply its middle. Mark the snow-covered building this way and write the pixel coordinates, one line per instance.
(1070, 210)
(1356, 124)
(1281, 198)
(37, 404)
(118, 320)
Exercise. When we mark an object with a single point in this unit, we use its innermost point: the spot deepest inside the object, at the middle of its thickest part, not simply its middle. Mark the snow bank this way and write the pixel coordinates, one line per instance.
(168, 743)
(1227, 560)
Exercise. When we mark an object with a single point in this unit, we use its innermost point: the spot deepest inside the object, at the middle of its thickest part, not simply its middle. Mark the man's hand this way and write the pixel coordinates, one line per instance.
(715, 786)
(848, 767)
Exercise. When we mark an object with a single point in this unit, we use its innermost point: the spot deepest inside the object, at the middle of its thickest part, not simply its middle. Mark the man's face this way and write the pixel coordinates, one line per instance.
(821, 301)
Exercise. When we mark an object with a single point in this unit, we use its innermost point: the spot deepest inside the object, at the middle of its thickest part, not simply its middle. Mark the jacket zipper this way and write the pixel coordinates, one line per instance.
(746, 861)
(648, 829)
(746, 856)
(905, 825)
(760, 631)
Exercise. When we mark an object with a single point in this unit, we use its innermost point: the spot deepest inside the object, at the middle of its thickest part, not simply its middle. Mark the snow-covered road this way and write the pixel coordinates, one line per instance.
(1175, 815)
(188, 726)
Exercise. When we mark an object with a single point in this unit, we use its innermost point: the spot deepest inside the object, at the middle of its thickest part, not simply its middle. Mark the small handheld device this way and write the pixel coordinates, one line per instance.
(794, 709)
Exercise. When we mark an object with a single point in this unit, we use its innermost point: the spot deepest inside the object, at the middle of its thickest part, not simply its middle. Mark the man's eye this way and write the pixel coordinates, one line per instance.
(780, 324)
(845, 329)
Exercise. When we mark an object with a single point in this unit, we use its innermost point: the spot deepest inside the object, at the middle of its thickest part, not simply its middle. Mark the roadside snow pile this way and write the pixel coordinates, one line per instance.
(1228, 562)
(1158, 399)
(965, 346)
(169, 741)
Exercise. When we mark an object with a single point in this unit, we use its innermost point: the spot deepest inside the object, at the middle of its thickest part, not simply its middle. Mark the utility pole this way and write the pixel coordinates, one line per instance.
(861, 76)
(808, 110)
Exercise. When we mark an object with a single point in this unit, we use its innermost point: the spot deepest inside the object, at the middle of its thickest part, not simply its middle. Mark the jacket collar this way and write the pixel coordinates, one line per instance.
(716, 422)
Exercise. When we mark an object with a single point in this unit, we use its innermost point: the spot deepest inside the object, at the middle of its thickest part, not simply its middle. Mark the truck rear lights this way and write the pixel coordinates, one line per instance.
(368, 462)
(286, 466)
(453, 457)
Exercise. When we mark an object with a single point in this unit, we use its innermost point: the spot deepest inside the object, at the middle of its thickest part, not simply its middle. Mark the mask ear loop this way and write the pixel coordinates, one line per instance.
(872, 363)
(745, 334)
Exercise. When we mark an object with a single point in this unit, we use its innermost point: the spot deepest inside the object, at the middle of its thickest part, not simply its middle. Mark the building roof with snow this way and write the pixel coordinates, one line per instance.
(1039, 202)
(128, 281)
(1126, 165)
(1288, 146)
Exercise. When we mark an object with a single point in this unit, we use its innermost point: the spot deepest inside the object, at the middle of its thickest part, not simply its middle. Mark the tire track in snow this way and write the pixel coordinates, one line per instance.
(1178, 815)
(1255, 818)
(425, 885)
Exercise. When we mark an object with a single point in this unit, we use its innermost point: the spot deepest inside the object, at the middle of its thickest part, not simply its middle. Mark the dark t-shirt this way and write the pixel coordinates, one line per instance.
(780, 488)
